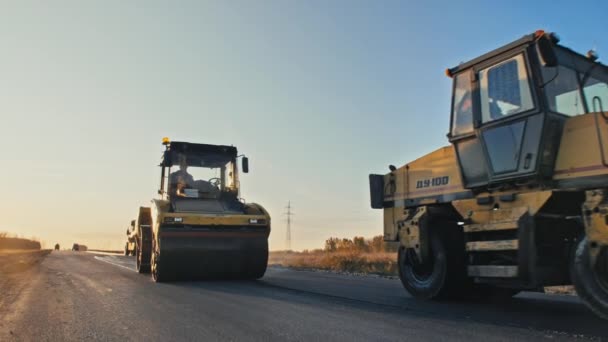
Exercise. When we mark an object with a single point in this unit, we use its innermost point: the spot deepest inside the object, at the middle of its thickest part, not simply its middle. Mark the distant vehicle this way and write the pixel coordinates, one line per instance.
(57, 247)
(130, 245)
(79, 248)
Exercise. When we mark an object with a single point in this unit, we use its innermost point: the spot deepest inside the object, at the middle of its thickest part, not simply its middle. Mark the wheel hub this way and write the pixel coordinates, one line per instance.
(420, 271)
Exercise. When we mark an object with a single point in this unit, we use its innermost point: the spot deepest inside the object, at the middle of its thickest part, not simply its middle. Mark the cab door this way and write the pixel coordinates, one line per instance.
(511, 122)
(463, 135)
(500, 140)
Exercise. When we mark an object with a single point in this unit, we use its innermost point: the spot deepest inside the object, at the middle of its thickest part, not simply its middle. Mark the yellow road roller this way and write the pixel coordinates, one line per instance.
(200, 227)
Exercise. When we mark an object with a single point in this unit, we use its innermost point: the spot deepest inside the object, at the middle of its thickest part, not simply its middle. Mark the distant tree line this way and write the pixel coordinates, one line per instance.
(359, 244)
(7, 242)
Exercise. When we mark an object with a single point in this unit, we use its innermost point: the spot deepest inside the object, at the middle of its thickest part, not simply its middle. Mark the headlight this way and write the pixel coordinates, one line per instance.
(173, 219)
(257, 221)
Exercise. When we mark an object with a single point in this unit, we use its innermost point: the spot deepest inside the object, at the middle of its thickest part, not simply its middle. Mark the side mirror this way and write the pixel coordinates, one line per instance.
(132, 223)
(376, 191)
(546, 52)
(245, 163)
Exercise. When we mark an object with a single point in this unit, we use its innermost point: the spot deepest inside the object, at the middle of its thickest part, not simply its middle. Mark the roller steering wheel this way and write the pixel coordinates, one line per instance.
(215, 181)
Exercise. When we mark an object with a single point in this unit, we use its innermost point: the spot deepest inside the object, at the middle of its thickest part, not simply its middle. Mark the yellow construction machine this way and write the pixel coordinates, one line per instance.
(519, 199)
(200, 227)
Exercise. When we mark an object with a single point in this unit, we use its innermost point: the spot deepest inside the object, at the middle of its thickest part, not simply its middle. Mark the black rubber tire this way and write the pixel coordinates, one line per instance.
(160, 270)
(157, 269)
(591, 281)
(445, 275)
(127, 249)
(142, 267)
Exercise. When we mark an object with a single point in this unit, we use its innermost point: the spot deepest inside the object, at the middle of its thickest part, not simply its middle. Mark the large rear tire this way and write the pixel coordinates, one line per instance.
(143, 267)
(158, 272)
(143, 249)
(159, 269)
(442, 276)
(591, 281)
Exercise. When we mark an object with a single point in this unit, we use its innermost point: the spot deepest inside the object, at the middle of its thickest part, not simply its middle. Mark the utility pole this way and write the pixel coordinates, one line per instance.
(288, 236)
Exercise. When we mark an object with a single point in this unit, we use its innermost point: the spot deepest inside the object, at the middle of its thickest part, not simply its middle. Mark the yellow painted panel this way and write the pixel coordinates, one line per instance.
(206, 219)
(434, 174)
(390, 229)
(580, 154)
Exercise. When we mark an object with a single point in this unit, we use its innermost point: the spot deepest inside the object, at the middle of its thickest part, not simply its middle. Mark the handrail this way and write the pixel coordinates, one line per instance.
(599, 101)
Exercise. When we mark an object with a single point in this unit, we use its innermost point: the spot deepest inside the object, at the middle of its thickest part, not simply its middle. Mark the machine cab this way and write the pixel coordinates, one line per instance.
(200, 177)
(509, 107)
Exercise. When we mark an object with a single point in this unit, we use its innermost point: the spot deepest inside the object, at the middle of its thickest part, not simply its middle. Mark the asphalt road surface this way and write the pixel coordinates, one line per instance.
(82, 296)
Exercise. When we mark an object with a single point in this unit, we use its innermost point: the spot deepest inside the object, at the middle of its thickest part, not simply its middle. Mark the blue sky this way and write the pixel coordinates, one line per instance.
(318, 94)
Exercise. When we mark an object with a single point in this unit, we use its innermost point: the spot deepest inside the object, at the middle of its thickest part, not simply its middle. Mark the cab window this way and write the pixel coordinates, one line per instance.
(562, 91)
(462, 105)
(505, 89)
(596, 94)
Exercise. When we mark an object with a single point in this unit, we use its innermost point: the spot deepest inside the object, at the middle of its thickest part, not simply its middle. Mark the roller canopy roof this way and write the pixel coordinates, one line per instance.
(190, 148)
(564, 54)
(202, 155)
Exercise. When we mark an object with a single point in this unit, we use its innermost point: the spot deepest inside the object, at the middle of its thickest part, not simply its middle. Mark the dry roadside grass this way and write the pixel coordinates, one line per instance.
(380, 263)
